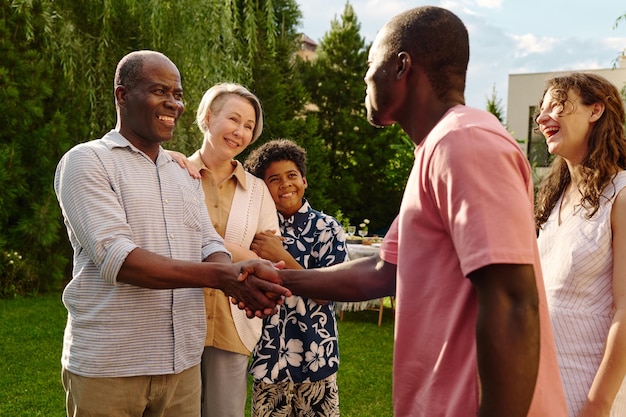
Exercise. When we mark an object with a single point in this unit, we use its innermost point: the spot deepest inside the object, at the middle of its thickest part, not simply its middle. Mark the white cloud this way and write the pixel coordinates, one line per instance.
(585, 64)
(463, 7)
(470, 7)
(452, 4)
(530, 44)
(619, 44)
(374, 14)
(489, 4)
(506, 37)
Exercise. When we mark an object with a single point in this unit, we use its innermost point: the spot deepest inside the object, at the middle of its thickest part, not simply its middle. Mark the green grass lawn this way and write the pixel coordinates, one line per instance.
(31, 332)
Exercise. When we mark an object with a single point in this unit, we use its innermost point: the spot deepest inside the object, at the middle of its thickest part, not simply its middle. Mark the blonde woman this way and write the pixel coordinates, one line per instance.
(240, 205)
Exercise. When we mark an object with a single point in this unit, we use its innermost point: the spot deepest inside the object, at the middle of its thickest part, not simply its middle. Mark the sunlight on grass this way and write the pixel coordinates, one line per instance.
(365, 370)
(30, 366)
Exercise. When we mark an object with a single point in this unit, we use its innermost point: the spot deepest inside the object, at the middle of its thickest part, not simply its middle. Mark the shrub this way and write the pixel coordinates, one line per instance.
(16, 275)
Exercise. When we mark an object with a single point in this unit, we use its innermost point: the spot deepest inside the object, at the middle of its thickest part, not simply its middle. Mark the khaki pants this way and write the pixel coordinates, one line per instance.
(176, 395)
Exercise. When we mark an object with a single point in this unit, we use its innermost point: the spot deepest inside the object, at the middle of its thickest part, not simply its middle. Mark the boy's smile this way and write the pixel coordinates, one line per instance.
(286, 185)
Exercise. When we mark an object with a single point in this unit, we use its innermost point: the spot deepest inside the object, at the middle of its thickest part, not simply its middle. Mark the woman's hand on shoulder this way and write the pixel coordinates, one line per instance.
(185, 163)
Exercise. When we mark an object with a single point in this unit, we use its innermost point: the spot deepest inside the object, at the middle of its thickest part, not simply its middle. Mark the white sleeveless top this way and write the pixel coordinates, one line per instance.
(577, 263)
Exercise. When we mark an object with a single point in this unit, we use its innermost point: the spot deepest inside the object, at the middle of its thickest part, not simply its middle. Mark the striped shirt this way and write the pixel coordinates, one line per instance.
(577, 260)
(115, 199)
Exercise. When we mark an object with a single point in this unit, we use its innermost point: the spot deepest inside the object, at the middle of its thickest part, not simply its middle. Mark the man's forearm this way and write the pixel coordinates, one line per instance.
(359, 280)
(149, 270)
(252, 282)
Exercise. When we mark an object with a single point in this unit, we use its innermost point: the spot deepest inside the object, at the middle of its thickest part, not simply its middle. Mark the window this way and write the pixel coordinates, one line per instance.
(537, 149)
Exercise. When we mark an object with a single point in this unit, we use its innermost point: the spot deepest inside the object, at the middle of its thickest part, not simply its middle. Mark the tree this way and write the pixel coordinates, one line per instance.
(278, 83)
(35, 131)
(494, 105)
(365, 163)
(622, 54)
(58, 59)
(209, 41)
(56, 76)
(274, 76)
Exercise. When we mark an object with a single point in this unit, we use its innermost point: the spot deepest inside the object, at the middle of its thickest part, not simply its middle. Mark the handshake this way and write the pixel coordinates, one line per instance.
(258, 288)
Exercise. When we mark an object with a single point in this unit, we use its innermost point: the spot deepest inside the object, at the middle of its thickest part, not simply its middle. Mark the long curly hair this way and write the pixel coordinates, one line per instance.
(606, 144)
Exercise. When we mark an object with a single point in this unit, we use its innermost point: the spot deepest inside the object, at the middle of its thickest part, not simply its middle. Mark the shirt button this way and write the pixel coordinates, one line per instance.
(172, 236)
(166, 201)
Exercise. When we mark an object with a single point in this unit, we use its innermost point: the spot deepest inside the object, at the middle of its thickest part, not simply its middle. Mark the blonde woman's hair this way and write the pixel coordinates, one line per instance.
(213, 100)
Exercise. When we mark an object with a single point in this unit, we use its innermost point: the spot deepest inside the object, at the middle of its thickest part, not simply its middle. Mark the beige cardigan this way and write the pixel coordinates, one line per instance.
(252, 211)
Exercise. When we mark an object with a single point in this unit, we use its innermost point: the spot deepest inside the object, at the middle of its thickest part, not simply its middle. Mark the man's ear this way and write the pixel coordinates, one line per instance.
(403, 63)
(306, 184)
(121, 93)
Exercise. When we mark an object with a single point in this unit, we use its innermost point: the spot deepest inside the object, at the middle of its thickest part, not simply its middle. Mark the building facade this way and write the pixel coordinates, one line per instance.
(308, 48)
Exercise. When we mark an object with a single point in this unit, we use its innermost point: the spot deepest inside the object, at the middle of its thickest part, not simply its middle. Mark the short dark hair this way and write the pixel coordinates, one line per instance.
(437, 40)
(275, 150)
(129, 69)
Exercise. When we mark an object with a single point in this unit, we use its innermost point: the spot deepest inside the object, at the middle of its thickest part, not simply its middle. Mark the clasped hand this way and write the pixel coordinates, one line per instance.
(257, 289)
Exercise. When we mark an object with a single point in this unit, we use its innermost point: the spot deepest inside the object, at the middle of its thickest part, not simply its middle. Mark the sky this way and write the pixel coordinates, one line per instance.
(506, 36)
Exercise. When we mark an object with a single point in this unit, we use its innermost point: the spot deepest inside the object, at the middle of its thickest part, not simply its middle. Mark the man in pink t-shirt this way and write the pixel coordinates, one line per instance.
(466, 213)
(472, 333)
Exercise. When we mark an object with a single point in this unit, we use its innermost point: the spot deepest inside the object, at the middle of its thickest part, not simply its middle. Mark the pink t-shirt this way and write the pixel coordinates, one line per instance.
(467, 204)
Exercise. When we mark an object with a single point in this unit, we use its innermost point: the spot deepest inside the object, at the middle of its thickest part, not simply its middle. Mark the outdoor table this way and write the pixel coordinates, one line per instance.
(357, 250)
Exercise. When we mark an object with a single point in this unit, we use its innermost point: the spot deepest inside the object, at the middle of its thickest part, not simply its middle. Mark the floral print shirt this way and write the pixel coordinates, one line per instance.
(299, 343)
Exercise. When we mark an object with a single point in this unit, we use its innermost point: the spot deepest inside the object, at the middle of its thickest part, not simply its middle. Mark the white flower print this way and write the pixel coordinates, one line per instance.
(315, 357)
(290, 353)
(259, 371)
(296, 303)
(299, 343)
